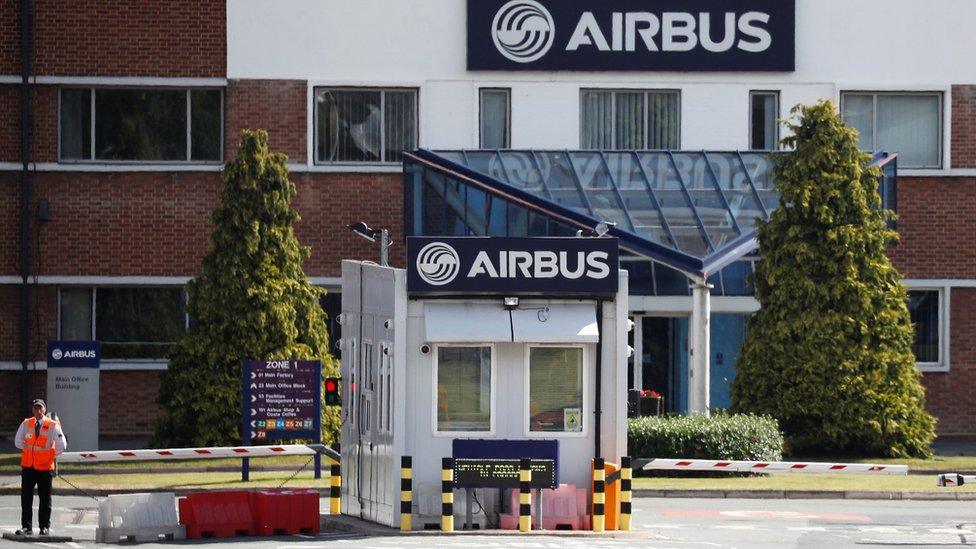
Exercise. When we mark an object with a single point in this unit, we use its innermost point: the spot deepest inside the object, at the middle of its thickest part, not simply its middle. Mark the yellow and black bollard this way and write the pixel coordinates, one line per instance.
(447, 495)
(599, 494)
(335, 489)
(525, 495)
(626, 474)
(406, 493)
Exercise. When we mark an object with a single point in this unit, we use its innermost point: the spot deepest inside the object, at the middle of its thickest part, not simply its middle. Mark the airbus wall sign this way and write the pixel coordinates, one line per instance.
(631, 35)
(512, 266)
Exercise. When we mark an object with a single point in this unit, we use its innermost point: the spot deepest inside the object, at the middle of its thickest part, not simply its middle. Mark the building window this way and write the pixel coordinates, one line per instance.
(141, 124)
(763, 116)
(364, 125)
(907, 123)
(464, 389)
(76, 314)
(556, 389)
(629, 119)
(130, 322)
(495, 115)
(925, 309)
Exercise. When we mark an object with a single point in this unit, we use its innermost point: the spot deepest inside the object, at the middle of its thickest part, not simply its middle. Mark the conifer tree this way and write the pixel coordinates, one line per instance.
(829, 354)
(253, 301)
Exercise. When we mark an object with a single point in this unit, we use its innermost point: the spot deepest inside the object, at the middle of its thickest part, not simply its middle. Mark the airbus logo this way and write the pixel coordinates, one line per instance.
(58, 354)
(438, 264)
(523, 30)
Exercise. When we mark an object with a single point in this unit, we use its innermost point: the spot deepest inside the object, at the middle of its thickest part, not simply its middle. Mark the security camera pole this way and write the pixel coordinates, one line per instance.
(363, 230)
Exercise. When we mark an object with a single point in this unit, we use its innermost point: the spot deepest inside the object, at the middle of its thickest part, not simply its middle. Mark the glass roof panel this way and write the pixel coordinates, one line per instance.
(486, 162)
(760, 168)
(522, 171)
(557, 172)
(679, 208)
(637, 198)
(739, 193)
(599, 189)
(667, 188)
(708, 201)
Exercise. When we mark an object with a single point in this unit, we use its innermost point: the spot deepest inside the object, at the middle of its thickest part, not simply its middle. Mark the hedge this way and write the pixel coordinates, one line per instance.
(721, 436)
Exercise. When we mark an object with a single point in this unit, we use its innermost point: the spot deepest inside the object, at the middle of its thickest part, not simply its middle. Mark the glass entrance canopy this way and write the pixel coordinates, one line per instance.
(695, 212)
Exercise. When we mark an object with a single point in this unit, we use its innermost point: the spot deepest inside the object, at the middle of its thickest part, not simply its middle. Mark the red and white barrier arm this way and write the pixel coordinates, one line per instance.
(952, 480)
(199, 453)
(771, 467)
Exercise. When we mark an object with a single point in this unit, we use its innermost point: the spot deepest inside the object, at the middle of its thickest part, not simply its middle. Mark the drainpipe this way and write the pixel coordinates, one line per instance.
(598, 386)
(698, 376)
(25, 192)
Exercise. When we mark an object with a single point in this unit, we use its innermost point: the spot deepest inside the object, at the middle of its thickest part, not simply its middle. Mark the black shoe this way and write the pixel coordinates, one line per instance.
(45, 532)
(24, 532)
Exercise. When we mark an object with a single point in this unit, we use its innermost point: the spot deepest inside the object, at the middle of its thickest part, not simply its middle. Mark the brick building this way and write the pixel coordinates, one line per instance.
(134, 107)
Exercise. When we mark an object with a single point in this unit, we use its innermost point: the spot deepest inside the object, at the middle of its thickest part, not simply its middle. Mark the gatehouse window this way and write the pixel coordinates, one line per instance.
(364, 125)
(464, 388)
(140, 124)
(630, 119)
(907, 123)
(555, 389)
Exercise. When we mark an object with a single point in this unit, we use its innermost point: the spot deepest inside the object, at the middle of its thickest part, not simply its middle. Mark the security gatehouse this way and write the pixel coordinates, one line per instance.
(486, 351)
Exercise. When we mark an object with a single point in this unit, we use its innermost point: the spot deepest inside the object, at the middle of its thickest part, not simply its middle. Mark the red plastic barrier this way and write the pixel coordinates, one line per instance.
(279, 512)
(217, 514)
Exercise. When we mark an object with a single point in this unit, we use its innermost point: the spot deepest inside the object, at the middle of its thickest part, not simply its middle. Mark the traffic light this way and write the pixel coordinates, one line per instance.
(332, 391)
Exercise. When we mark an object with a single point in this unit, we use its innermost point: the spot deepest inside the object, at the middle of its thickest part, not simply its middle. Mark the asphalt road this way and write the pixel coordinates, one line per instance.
(660, 524)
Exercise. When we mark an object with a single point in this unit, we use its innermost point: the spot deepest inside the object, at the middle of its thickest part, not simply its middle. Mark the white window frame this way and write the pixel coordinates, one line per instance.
(613, 112)
(939, 94)
(492, 396)
(382, 91)
(776, 118)
(945, 299)
(189, 126)
(527, 422)
(508, 115)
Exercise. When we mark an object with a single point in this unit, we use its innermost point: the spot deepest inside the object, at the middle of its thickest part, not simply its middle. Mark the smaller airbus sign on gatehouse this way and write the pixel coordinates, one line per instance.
(512, 266)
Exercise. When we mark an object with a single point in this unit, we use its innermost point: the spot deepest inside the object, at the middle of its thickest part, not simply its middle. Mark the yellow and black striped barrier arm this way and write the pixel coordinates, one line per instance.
(406, 493)
(525, 495)
(599, 494)
(626, 474)
(447, 495)
(335, 489)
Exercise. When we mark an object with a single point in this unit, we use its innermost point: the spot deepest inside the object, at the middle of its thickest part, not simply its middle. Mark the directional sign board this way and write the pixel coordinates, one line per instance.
(282, 399)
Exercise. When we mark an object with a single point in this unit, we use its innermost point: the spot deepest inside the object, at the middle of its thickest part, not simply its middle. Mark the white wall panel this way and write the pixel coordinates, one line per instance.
(840, 44)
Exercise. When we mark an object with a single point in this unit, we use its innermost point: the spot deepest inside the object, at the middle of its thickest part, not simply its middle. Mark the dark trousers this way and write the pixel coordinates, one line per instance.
(29, 478)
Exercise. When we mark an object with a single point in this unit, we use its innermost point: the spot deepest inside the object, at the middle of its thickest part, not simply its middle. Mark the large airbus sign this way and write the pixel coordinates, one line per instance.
(512, 266)
(631, 35)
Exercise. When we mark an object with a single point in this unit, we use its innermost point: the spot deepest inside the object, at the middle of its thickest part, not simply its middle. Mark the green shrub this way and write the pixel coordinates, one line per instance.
(721, 436)
(829, 354)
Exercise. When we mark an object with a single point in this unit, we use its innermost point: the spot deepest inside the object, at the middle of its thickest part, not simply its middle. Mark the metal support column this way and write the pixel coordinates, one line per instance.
(638, 381)
(698, 378)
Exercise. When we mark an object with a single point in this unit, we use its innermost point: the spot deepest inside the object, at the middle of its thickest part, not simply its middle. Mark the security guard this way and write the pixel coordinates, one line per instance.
(40, 440)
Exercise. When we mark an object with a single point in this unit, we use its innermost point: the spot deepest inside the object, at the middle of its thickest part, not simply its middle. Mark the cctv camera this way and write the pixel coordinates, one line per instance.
(603, 227)
(425, 349)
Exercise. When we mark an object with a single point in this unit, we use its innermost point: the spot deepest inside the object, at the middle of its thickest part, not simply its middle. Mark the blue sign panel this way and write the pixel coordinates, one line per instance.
(495, 463)
(282, 399)
(632, 35)
(512, 266)
(74, 354)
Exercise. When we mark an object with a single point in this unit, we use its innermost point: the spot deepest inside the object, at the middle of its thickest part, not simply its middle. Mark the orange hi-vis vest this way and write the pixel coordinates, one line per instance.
(35, 454)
